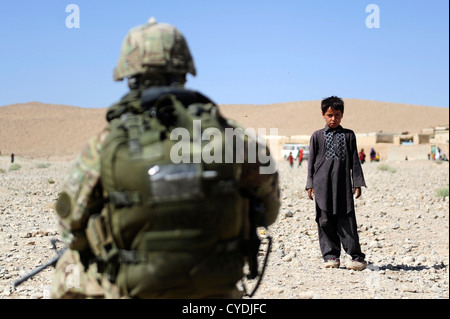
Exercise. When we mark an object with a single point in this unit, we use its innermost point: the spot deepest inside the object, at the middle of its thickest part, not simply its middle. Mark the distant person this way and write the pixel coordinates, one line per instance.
(334, 175)
(12, 157)
(438, 154)
(377, 158)
(300, 157)
(373, 155)
(362, 156)
(291, 159)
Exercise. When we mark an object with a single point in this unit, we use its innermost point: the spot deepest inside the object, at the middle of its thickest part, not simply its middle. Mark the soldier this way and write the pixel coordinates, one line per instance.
(137, 225)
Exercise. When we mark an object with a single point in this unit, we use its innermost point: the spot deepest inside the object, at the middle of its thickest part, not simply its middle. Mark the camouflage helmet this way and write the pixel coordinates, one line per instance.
(154, 48)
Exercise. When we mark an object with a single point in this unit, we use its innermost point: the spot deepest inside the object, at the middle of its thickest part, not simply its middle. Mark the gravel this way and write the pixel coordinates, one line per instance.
(403, 228)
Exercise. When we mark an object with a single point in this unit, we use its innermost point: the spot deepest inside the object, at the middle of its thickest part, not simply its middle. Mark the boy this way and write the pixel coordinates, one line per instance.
(334, 175)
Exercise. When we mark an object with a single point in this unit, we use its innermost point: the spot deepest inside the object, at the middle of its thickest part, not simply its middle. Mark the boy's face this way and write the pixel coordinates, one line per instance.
(333, 117)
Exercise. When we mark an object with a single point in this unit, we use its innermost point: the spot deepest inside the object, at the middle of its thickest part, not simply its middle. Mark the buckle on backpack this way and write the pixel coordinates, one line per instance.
(100, 239)
(131, 256)
(124, 199)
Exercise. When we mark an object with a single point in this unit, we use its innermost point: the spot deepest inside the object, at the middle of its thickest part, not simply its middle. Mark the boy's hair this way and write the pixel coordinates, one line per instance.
(336, 103)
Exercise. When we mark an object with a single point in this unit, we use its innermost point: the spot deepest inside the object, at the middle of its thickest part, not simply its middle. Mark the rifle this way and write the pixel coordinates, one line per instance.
(51, 262)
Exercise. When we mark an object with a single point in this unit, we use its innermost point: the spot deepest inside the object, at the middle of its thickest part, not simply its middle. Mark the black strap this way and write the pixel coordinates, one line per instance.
(185, 96)
(269, 247)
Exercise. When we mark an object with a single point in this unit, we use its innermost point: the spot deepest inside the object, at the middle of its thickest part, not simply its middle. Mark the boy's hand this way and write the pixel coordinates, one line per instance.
(310, 193)
(357, 192)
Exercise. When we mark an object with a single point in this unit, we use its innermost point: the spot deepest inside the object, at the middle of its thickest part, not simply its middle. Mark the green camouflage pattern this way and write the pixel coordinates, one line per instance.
(154, 47)
(76, 202)
(72, 280)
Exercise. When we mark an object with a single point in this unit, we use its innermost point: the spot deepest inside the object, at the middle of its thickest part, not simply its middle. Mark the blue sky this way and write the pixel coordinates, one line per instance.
(255, 52)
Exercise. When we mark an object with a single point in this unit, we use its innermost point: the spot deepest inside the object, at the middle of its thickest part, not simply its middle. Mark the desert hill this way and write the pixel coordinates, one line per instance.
(362, 116)
(42, 130)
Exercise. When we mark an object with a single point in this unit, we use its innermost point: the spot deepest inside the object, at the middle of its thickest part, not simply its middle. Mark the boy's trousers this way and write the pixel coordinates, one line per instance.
(337, 229)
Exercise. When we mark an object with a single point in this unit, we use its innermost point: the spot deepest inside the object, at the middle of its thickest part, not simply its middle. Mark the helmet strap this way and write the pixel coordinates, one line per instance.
(143, 81)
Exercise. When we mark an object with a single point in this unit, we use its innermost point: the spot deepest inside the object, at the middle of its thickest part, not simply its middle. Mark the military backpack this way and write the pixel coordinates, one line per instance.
(174, 219)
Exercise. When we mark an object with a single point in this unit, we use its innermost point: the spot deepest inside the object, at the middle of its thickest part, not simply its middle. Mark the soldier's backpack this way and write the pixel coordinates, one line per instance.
(174, 222)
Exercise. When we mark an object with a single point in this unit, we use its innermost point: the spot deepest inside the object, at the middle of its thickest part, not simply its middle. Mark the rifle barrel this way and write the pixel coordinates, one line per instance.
(51, 262)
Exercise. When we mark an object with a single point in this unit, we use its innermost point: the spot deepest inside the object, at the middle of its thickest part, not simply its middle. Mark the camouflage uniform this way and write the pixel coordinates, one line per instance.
(78, 274)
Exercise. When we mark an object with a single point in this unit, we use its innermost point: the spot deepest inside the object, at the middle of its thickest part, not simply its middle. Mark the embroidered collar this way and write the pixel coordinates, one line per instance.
(338, 129)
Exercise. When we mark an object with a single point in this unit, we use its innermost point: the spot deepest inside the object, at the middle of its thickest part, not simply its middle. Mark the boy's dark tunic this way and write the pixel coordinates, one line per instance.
(333, 171)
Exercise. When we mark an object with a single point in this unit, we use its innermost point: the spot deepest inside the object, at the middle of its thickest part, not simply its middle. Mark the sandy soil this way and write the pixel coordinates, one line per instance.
(403, 227)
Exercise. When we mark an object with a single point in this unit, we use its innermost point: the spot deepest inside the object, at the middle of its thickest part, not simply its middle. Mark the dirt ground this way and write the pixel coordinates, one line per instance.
(403, 226)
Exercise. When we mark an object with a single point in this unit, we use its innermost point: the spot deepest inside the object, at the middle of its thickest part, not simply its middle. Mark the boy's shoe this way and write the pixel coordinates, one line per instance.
(332, 263)
(357, 265)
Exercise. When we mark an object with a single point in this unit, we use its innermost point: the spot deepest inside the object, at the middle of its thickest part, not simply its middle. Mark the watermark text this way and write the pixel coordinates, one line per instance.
(73, 19)
(373, 19)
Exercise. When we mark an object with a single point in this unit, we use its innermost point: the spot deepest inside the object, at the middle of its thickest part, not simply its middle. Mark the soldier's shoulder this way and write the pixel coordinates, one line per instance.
(89, 157)
(95, 143)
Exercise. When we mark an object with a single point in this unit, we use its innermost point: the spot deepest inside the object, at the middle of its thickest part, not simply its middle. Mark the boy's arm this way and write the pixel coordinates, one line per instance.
(357, 172)
(311, 161)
